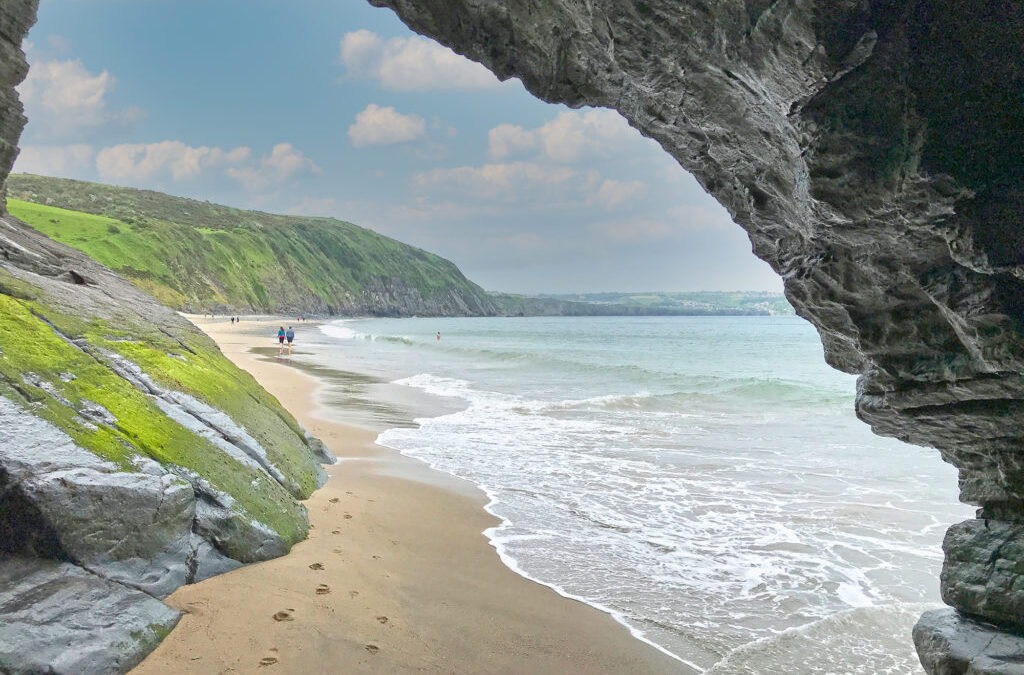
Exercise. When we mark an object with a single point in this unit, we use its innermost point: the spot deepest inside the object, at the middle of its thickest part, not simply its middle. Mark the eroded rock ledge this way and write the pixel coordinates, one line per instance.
(872, 151)
(134, 457)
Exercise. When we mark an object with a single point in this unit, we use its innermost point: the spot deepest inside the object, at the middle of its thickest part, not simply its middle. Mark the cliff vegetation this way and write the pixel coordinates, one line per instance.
(199, 257)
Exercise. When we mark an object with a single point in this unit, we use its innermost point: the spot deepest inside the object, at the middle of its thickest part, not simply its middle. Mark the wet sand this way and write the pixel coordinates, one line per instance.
(395, 577)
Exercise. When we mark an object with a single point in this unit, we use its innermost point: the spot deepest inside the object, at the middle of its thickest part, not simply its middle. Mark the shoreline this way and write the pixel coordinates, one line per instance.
(397, 574)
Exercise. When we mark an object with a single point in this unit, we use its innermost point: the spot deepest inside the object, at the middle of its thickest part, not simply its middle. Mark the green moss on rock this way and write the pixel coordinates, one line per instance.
(34, 358)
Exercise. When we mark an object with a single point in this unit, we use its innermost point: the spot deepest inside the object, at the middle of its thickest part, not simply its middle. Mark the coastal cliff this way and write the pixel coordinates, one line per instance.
(201, 257)
(134, 457)
(871, 151)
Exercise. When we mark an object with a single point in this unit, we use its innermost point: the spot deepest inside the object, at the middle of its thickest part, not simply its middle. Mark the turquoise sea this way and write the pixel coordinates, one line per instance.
(704, 479)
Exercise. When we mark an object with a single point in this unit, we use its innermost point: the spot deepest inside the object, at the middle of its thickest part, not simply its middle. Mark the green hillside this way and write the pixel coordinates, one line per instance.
(199, 257)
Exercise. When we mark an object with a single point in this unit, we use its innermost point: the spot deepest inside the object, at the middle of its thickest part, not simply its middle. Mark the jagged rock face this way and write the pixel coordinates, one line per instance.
(871, 149)
(134, 486)
(16, 17)
(134, 457)
(59, 618)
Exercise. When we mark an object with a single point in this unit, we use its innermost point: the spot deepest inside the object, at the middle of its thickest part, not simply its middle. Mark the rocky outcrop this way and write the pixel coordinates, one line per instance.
(134, 457)
(60, 618)
(950, 643)
(16, 17)
(871, 149)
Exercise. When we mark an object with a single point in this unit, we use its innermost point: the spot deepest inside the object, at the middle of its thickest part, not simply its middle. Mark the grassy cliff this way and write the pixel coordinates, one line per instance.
(199, 257)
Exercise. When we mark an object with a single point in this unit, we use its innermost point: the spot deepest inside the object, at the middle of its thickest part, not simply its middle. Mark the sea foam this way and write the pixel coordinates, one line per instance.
(713, 504)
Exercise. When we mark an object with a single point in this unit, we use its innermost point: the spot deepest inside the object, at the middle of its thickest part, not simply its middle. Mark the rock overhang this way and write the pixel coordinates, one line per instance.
(871, 150)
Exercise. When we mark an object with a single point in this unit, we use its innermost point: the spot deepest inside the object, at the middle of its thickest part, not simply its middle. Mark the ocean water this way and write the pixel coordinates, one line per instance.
(703, 479)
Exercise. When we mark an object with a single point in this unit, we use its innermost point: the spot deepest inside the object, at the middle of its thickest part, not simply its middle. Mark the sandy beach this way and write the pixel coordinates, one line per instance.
(395, 577)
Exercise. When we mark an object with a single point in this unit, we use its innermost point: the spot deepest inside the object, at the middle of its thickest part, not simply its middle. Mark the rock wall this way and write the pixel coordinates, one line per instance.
(134, 457)
(16, 17)
(872, 151)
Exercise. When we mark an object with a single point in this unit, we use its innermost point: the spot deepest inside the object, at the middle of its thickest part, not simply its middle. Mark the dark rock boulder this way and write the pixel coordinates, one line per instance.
(951, 643)
(871, 150)
(59, 618)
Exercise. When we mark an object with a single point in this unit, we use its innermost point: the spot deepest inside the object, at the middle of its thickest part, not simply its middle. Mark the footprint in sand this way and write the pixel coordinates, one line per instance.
(348, 516)
(373, 649)
(334, 500)
(376, 557)
(323, 589)
(382, 619)
(284, 615)
(316, 566)
(268, 661)
(337, 550)
(335, 531)
(353, 594)
(348, 492)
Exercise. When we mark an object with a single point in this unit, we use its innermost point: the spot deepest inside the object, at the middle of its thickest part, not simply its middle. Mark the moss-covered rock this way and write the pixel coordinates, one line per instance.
(130, 447)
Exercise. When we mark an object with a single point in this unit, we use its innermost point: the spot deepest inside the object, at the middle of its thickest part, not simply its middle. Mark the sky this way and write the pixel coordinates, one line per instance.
(335, 108)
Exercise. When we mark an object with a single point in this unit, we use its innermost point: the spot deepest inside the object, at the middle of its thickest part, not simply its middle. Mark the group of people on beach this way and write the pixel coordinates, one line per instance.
(283, 335)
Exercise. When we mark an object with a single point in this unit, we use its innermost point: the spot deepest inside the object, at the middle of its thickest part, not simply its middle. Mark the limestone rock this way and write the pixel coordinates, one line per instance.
(58, 618)
(319, 450)
(983, 573)
(152, 530)
(950, 643)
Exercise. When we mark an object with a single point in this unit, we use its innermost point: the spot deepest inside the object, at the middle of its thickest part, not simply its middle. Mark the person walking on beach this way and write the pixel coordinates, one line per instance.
(280, 340)
(291, 336)
(438, 336)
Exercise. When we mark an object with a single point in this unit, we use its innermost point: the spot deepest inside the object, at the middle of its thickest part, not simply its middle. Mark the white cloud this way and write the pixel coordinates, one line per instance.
(612, 193)
(384, 126)
(411, 64)
(516, 180)
(506, 140)
(54, 160)
(568, 138)
(63, 98)
(283, 162)
(140, 161)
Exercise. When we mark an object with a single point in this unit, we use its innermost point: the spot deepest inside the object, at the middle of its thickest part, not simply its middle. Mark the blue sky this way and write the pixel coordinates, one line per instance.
(335, 108)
